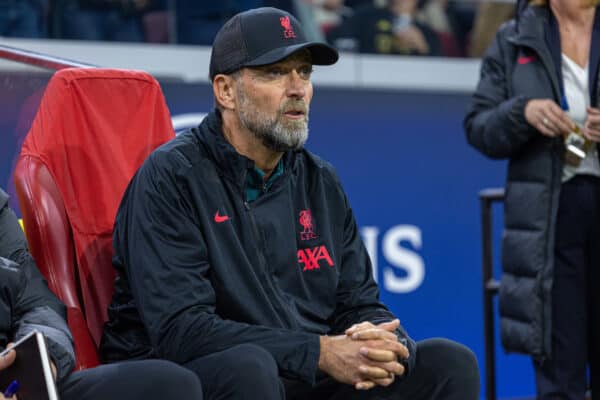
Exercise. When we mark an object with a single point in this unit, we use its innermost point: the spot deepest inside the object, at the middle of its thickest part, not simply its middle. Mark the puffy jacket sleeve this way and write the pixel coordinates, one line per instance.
(158, 240)
(357, 297)
(495, 123)
(33, 305)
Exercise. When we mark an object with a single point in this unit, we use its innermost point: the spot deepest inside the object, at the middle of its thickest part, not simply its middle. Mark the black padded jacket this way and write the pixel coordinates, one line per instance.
(523, 63)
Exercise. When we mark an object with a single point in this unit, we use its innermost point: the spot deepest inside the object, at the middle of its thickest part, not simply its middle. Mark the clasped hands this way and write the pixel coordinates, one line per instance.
(365, 356)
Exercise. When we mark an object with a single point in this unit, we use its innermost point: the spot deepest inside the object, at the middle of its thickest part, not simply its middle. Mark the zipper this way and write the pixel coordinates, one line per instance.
(263, 265)
(549, 254)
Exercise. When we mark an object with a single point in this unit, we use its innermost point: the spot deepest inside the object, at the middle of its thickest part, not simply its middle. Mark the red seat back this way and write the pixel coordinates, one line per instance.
(92, 131)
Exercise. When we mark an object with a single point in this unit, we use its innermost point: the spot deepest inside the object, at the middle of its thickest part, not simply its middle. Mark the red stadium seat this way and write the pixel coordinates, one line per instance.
(93, 129)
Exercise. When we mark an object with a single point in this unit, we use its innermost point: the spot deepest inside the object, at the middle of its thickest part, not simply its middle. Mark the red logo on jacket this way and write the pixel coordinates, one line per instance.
(288, 31)
(310, 257)
(306, 222)
(525, 59)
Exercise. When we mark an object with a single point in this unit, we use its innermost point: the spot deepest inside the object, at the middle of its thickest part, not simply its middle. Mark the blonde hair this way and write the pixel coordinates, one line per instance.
(545, 2)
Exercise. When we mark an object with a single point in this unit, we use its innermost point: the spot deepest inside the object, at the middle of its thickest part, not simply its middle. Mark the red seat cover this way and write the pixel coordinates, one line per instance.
(92, 131)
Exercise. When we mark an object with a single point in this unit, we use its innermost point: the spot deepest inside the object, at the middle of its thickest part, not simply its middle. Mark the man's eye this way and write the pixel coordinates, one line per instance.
(275, 72)
(305, 72)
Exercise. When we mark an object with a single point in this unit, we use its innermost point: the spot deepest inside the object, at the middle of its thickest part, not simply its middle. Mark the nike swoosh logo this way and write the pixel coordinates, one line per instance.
(526, 60)
(220, 218)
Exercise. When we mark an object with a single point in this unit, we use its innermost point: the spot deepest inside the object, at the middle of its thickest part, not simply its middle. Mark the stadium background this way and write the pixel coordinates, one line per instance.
(392, 127)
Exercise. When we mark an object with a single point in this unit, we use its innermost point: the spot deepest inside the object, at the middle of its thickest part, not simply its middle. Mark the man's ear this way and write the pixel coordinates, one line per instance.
(224, 91)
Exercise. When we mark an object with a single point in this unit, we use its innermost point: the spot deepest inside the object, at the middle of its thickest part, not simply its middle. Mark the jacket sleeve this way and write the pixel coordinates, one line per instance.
(57, 334)
(13, 244)
(27, 314)
(495, 123)
(158, 240)
(357, 297)
(34, 305)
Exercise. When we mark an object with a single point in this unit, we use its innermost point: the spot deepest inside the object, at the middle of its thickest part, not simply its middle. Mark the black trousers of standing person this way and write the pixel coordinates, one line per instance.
(575, 295)
(132, 380)
(444, 371)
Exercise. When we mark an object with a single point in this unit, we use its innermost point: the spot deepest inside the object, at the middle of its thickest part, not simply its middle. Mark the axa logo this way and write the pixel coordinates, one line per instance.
(288, 31)
(311, 259)
(307, 225)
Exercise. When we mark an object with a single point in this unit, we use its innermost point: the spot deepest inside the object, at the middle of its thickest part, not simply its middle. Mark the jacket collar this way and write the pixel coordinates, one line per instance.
(230, 163)
(530, 26)
(532, 32)
(537, 29)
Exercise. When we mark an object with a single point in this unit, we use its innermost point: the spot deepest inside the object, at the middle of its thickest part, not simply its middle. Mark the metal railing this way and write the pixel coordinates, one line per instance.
(39, 59)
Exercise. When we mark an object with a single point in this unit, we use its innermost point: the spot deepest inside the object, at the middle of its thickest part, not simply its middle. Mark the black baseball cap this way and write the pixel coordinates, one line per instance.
(262, 36)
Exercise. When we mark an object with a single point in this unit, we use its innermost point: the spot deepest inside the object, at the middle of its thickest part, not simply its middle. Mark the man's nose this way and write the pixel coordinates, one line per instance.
(296, 85)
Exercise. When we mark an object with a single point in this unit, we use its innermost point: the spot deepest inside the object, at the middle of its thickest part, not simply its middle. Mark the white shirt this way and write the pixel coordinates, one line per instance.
(575, 80)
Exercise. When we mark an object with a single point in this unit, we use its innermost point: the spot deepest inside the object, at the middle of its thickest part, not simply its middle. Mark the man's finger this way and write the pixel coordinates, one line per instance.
(371, 372)
(398, 348)
(379, 347)
(391, 368)
(351, 330)
(375, 333)
(364, 385)
(379, 355)
(390, 326)
(385, 382)
(395, 368)
(359, 327)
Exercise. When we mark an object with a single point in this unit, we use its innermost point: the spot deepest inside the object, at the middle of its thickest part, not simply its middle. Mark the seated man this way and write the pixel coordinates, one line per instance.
(26, 304)
(238, 255)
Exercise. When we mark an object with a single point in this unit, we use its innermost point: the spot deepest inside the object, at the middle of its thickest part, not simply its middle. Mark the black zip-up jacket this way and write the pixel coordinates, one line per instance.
(200, 270)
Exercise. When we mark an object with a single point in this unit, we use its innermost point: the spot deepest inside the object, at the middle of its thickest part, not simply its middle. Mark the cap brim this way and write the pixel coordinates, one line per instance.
(321, 54)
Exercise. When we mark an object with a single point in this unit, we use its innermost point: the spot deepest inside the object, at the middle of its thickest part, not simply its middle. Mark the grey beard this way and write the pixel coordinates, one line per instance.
(272, 132)
(276, 137)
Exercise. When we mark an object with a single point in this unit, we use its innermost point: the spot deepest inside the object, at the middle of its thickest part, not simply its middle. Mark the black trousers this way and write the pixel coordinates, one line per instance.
(132, 380)
(444, 370)
(575, 295)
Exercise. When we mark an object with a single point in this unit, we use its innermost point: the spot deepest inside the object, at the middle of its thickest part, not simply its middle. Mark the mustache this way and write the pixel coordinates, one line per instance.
(294, 105)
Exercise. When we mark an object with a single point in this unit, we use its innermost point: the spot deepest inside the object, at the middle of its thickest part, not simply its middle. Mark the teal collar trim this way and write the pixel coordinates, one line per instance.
(256, 184)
